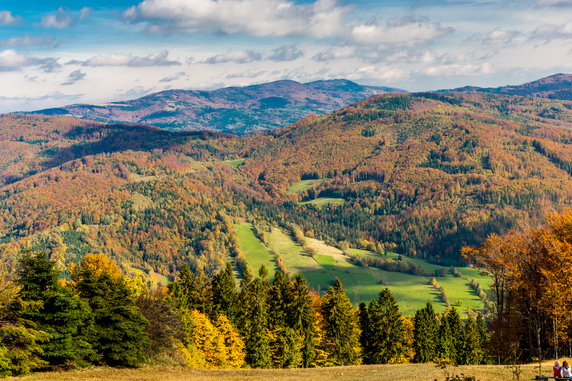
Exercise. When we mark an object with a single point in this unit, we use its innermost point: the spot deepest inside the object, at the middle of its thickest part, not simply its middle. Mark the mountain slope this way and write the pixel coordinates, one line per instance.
(428, 172)
(557, 86)
(233, 109)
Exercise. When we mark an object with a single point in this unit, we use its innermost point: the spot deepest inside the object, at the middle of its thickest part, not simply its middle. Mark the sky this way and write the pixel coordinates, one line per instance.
(54, 53)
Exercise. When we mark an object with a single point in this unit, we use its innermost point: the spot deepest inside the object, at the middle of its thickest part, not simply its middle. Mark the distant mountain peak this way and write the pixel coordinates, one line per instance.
(237, 110)
(556, 86)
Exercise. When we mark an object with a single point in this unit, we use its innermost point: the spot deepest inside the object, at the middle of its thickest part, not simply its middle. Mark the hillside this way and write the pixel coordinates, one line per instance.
(428, 172)
(416, 174)
(234, 109)
(557, 86)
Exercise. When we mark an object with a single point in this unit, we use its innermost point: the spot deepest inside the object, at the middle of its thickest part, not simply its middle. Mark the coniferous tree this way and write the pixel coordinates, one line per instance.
(56, 310)
(425, 331)
(253, 320)
(279, 300)
(301, 317)
(119, 337)
(364, 326)
(445, 343)
(471, 352)
(385, 331)
(457, 337)
(224, 294)
(192, 291)
(483, 336)
(341, 326)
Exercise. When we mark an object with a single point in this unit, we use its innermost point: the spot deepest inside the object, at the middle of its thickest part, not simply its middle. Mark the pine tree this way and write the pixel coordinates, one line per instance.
(285, 346)
(341, 326)
(55, 310)
(119, 336)
(384, 330)
(425, 331)
(301, 318)
(364, 326)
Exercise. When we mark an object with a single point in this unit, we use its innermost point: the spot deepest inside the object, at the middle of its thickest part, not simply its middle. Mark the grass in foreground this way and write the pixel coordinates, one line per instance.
(403, 372)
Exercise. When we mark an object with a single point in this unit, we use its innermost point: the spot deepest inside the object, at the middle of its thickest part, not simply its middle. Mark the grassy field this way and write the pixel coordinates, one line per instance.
(362, 284)
(304, 185)
(255, 252)
(235, 163)
(404, 372)
(321, 201)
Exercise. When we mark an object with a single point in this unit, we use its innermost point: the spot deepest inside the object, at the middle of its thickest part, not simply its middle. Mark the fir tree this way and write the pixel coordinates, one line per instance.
(253, 321)
(425, 335)
(445, 341)
(55, 310)
(341, 326)
(192, 291)
(224, 295)
(483, 336)
(301, 318)
(471, 352)
(456, 326)
(384, 330)
(279, 300)
(119, 337)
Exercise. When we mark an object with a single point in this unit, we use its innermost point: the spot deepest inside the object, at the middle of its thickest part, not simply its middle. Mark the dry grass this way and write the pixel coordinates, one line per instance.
(421, 372)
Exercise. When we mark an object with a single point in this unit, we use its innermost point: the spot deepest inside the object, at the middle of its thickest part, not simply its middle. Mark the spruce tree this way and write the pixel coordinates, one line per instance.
(119, 336)
(484, 337)
(224, 294)
(445, 343)
(56, 310)
(341, 326)
(192, 291)
(301, 318)
(425, 335)
(457, 336)
(471, 353)
(253, 321)
(385, 332)
(279, 300)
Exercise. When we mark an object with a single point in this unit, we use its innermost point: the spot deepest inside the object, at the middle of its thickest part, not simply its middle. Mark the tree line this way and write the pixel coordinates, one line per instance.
(100, 317)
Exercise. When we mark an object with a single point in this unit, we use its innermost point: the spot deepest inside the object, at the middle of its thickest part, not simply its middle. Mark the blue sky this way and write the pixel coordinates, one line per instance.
(60, 52)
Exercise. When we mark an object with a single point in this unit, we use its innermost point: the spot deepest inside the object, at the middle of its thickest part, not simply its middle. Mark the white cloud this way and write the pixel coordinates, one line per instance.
(157, 59)
(173, 77)
(6, 18)
(321, 18)
(27, 41)
(552, 31)
(458, 70)
(336, 53)
(378, 72)
(499, 37)
(242, 56)
(64, 18)
(11, 60)
(405, 31)
(285, 53)
(73, 77)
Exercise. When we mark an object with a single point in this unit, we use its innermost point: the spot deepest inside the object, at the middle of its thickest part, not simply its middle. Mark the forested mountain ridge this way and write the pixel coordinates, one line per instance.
(557, 86)
(428, 172)
(233, 109)
(420, 173)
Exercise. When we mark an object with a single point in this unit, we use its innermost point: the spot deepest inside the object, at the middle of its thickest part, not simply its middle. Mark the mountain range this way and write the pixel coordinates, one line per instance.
(233, 109)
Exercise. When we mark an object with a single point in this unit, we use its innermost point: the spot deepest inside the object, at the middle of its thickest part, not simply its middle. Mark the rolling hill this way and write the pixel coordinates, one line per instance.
(234, 109)
(417, 174)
